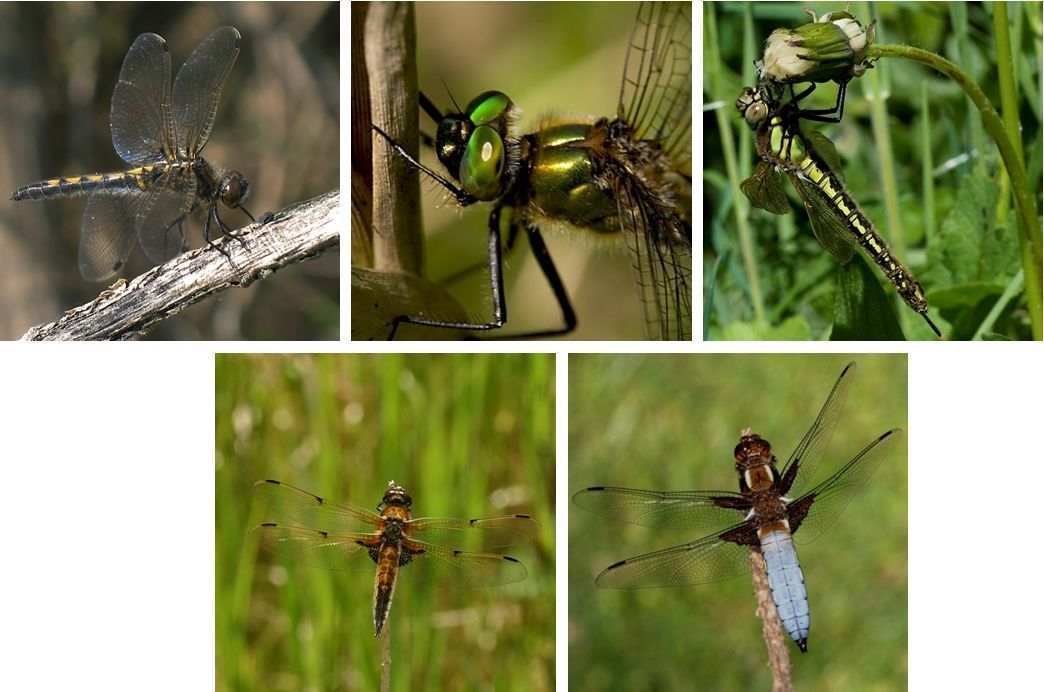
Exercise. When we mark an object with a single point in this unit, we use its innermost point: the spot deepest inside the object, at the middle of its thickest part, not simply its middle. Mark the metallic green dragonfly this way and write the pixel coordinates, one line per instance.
(810, 160)
(626, 176)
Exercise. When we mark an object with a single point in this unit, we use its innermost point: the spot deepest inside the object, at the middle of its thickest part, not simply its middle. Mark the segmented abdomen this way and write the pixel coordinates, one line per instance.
(787, 584)
(133, 180)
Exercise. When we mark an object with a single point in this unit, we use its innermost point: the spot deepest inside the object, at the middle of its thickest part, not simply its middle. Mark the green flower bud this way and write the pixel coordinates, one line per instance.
(832, 47)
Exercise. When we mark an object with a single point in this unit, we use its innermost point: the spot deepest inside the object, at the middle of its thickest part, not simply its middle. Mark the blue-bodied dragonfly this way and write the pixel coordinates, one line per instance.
(810, 160)
(644, 202)
(773, 515)
(159, 128)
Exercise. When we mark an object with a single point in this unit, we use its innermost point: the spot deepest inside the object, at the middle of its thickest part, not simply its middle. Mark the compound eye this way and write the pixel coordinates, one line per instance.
(488, 107)
(234, 189)
(755, 113)
(482, 168)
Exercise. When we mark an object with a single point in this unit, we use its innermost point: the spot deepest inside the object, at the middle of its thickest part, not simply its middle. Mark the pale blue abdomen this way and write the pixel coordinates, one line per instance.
(787, 583)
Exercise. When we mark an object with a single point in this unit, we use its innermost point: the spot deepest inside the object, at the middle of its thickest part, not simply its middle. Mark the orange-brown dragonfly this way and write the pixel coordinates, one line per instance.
(433, 550)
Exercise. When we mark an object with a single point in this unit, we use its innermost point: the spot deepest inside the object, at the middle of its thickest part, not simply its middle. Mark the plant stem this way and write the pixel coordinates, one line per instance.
(1030, 236)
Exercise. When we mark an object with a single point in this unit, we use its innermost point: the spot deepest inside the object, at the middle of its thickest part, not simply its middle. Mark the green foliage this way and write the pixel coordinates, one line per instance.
(863, 312)
(670, 422)
(974, 247)
(468, 435)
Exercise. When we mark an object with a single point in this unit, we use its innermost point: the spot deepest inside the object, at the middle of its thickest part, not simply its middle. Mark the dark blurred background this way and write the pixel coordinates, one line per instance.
(277, 123)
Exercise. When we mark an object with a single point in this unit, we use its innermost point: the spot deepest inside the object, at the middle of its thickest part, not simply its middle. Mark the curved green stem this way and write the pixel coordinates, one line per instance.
(1030, 236)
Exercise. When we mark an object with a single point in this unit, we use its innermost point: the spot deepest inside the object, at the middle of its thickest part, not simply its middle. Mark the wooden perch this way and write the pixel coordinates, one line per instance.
(771, 627)
(129, 309)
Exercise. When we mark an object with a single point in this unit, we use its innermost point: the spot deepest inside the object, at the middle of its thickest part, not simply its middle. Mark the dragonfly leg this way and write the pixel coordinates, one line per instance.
(496, 287)
(825, 115)
(547, 266)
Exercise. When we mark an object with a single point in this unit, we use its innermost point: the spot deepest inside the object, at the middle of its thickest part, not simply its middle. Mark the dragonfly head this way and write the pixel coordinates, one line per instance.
(752, 106)
(396, 495)
(751, 451)
(234, 189)
(474, 146)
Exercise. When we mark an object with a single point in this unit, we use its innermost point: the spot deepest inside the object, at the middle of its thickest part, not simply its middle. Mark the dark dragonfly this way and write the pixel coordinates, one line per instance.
(159, 129)
(810, 160)
(391, 544)
(772, 517)
(625, 176)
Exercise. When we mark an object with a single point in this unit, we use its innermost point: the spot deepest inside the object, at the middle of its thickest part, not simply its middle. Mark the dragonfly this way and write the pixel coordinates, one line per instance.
(811, 162)
(771, 522)
(160, 131)
(392, 544)
(627, 176)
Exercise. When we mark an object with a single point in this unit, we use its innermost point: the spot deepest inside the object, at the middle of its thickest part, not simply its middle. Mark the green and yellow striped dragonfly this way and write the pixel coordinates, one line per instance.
(810, 161)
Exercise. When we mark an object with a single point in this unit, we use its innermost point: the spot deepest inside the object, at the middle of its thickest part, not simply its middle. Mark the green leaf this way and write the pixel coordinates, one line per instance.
(862, 310)
(970, 248)
(795, 328)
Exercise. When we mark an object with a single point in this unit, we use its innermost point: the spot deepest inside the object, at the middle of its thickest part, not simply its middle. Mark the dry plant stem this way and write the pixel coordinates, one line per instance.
(130, 309)
(386, 657)
(390, 62)
(771, 628)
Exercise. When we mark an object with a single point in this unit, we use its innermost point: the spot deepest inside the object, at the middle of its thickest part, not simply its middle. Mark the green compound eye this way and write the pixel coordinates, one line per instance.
(483, 164)
(488, 107)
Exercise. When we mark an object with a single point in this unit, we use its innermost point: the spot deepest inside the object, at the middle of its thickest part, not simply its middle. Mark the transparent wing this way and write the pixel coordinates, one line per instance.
(660, 242)
(827, 224)
(813, 445)
(140, 116)
(419, 562)
(313, 548)
(829, 498)
(434, 565)
(658, 509)
(764, 189)
(707, 560)
(107, 234)
(313, 511)
(197, 88)
(160, 220)
(656, 91)
(473, 534)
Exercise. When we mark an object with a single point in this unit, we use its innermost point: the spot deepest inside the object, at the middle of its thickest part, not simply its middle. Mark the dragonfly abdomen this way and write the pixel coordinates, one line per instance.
(384, 586)
(864, 232)
(787, 583)
(134, 180)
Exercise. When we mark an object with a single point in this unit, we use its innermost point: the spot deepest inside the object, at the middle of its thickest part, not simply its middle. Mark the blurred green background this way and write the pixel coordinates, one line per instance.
(468, 435)
(956, 225)
(670, 422)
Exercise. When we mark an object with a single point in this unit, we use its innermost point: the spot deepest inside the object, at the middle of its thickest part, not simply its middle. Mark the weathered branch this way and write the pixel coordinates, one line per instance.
(771, 627)
(129, 309)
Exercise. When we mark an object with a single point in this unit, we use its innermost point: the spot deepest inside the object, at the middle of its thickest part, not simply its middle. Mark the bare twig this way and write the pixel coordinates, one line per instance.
(129, 309)
(771, 627)
(386, 657)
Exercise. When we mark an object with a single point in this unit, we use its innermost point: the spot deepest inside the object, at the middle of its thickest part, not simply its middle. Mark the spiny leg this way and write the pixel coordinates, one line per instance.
(494, 261)
(547, 266)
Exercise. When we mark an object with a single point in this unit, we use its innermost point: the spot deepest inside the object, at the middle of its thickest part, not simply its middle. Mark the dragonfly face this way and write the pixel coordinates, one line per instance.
(160, 131)
(625, 177)
(771, 520)
(396, 546)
